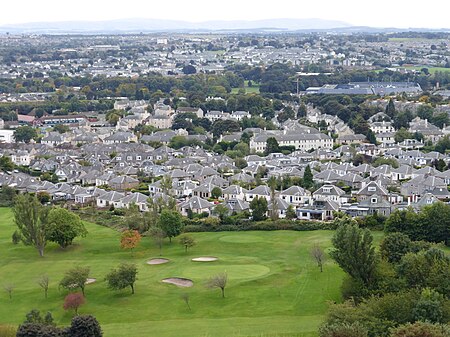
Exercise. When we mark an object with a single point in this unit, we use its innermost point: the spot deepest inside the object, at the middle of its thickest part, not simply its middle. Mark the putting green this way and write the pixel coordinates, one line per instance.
(234, 272)
(241, 238)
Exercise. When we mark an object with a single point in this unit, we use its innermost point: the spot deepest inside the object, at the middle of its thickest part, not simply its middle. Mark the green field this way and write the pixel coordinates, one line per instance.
(254, 89)
(274, 287)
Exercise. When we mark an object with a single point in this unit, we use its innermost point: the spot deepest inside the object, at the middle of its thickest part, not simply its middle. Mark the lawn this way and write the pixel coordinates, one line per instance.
(254, 89)
(274, 288)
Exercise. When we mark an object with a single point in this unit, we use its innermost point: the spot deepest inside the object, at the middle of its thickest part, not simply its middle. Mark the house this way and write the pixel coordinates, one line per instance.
(376, 204)
(195, 205)
(122, 183)
(138, 199)
(234, 192)
(329, 192)
(120, 137)
(112, 198)
(373, 188)
(261, 191)
(296, 195)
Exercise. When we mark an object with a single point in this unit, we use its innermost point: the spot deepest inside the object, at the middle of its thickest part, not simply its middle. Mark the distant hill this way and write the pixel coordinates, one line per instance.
(155, 25)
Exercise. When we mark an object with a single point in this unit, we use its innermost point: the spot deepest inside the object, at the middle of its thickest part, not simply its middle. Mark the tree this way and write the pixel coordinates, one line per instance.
(61, 128)
(44, 282)
(34, 316)
(290, 213)
(158, 236)
(216, 192)
(6, 163)
(130, 239)
(75, 278)
(308, 180)
(272, 146)
(122, 277)
(64, 226)
(221, 211)
(401, 135)
(318, 255)
(189, 69)
(25, 134)
(394, 246)
(30, 218)
(187, 241)
(84, 326)
(185, 297)
(171, 222)
(390, 108)
(259, 208)
(9, 289)
(73, 301)
(218, 281)
(354, 253)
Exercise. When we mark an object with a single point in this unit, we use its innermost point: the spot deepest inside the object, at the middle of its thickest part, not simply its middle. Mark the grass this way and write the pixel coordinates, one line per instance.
(274, 288)
(254, 89)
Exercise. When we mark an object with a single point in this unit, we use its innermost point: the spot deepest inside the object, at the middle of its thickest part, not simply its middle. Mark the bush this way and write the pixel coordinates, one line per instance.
(84, 326)
(343, 330)
(16, 237)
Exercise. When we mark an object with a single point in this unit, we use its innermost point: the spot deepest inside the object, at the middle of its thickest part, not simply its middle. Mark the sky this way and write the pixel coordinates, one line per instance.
(379, 13)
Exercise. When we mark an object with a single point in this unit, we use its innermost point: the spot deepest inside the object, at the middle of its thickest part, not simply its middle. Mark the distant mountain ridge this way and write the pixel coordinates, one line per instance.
(158, 25)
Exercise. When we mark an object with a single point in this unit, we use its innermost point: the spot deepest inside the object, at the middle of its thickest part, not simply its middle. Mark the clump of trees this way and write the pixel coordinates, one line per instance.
(38, 224)
(402, 291)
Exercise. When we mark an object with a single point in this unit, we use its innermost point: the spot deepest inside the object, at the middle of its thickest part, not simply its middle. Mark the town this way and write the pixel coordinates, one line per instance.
(233, 142)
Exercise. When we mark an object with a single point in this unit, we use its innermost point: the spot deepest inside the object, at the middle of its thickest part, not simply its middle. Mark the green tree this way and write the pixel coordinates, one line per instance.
(171, 222)
(75, 278)
(61, 128)
(272, 183)
(25, 134)
(187, 241)
(64, 226)
(425, 111)
(308, 180)
(354, 253)
(30, 218)
(6, 164)
(272, 146)
(122, 277)
(394, 246)
(401, 135)
(390, 108)
(216, 192)
(259, 208)
(290, 213)
(84, 326)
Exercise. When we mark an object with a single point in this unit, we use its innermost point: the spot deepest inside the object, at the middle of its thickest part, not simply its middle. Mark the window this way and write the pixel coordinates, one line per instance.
(373, 200)
(371, 189)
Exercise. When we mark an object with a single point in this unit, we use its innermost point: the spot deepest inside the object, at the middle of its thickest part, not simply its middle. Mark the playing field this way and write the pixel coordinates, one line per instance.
(274, 288)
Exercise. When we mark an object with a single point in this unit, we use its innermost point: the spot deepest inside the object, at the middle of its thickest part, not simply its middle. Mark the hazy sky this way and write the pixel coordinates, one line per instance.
(379, 13)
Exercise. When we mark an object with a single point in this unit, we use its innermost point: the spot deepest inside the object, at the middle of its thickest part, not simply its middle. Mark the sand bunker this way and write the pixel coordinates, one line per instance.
(179, 282)
(157, 261)
(205, 259)
(90, 280)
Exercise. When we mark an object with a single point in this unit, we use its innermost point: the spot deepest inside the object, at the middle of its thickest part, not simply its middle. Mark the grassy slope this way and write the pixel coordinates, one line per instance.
(274, 287)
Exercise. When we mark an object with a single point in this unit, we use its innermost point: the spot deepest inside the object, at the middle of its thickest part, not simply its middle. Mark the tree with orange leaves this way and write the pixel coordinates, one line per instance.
(130, 239)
